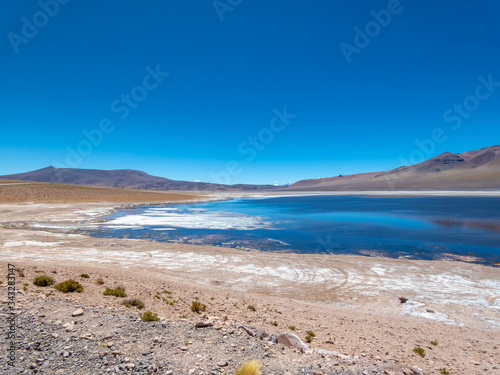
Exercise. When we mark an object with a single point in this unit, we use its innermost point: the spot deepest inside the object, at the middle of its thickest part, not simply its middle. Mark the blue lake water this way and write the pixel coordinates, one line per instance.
(409, 227)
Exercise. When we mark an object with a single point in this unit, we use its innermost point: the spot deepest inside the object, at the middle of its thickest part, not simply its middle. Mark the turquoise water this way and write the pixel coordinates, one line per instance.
(416, 227)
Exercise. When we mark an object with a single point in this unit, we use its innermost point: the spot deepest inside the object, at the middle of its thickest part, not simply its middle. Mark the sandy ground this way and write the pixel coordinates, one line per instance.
(350, 302)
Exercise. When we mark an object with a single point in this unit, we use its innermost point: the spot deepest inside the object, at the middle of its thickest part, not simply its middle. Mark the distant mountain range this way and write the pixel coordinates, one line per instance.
(122, 178)
(472, 170)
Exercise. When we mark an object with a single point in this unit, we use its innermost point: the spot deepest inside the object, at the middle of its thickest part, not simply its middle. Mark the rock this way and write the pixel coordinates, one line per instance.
(261, 334)
(87, 336)
(203, 325)
(247, 330)
(54, 335)
(222, 363)
(110, 344)
(403, 299)
(292, 341)
(317, 372)
(78, 312)
(65, 354)
(430, 311)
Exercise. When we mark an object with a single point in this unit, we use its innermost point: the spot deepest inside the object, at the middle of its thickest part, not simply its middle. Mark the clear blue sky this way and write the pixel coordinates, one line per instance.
(231, 69)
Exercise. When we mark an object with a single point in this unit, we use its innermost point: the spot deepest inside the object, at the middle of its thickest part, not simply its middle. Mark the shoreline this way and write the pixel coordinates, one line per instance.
(346, 297)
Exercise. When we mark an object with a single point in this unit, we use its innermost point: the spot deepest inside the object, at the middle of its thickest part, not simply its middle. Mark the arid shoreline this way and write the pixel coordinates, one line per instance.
(350, 302)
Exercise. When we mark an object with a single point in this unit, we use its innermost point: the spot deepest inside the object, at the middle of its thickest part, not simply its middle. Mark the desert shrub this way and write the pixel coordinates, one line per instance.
(251, 307)
(311, 333)
(148, 316)
(99, 281)
(291, 328)
(445, 372)
(309, 339)
(25, 289)
(197, 307)
(249, 368)
(274, 323)
(434, 343)
(43, 281)
(134, 302)
(117, 292)
(85, 276)
(1, 282)
(419, 351)
(69, 286)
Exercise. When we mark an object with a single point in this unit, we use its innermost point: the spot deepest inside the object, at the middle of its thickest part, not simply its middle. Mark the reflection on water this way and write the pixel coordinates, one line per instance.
(458, 228)
(491, 226)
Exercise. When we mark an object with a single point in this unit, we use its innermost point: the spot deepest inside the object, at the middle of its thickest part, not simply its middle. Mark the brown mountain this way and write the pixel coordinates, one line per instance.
(472, 170)
(122, 178)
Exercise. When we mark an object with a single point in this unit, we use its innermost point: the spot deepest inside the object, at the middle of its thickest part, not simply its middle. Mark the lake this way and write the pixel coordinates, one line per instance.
(460, 228)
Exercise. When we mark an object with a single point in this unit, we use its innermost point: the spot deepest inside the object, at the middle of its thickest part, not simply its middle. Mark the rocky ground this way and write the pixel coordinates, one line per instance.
(59, 335)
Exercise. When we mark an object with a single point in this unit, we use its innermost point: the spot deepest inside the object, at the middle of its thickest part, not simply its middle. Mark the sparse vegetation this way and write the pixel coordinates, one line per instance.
(1, 282)
(197, 307)
(311, 333)
(85, 276)
(117, 292)
(251, 307)
(249, 368)
(43, 281)
(186, 342)
(445, 372)
(308, 339)
(434, 343)
(149, 316)
(69, 286)
(99, 281)
(419, 351)
(25, 289)
(133, 303)
(291, 328)
(39, 271)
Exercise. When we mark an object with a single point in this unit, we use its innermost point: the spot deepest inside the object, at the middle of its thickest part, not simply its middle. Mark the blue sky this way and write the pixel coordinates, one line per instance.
(242, 91)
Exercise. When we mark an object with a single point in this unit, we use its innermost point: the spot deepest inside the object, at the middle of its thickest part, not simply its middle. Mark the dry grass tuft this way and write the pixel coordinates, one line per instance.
(249, 368)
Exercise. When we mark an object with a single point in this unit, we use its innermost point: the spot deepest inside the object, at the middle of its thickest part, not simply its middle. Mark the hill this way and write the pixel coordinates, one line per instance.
(472, 170)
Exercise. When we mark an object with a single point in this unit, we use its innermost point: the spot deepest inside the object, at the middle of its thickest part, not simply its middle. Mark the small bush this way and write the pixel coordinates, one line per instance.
(1, 282)
(69, 286)
(25, 289)
(274, 323)
(117, 292)
(311, 333)
(148, 316)
(43, 281)
(249, 368)
(251, 307)
(291, 328)
(434, 343)
(133, 302)
(85, 276)
(419, 351)
(445, 372)
(197, 307)
(39, 271)
(186, 342)
(309, 339)
(99, 281)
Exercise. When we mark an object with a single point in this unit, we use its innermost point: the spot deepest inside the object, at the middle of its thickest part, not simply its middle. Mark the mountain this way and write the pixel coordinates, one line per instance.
(471, 170)
(122, 178)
